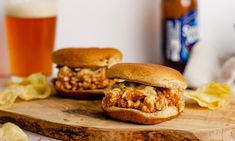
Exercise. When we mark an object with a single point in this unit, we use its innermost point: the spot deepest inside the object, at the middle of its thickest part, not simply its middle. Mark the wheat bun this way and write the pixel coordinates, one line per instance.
(137, 116)
(148, 74)
(87, 57)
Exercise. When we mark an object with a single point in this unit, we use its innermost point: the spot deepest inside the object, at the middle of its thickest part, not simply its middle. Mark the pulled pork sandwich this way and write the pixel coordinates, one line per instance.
(82, 71)
(148, 94)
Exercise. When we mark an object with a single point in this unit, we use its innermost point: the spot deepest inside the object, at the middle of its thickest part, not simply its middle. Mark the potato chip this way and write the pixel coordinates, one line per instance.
(213, 95)
(11, 132)
(7, 98)
(33, 87)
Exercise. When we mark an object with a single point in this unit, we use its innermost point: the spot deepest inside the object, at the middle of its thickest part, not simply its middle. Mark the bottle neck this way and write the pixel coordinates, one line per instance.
(177, 8)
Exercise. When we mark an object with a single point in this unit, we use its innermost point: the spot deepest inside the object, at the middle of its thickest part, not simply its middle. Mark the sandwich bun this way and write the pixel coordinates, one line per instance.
(87, 57)
(137, 116)
(148, 74)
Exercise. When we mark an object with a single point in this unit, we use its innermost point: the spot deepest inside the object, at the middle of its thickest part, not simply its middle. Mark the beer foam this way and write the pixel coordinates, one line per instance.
(31, 8)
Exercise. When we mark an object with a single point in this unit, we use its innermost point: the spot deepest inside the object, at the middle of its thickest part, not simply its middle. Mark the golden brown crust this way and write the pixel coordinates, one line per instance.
(87, 57)
(136, 116)
(81, 94)
(148, 74)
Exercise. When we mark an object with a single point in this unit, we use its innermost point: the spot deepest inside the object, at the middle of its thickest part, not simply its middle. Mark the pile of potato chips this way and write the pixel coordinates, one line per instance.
(213, 95)
(34, 86)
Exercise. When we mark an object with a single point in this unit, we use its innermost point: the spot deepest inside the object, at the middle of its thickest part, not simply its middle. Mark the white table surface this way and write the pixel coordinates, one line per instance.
(37, 137)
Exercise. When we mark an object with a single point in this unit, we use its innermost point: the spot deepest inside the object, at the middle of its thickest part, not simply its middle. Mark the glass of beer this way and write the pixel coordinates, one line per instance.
(31, 26)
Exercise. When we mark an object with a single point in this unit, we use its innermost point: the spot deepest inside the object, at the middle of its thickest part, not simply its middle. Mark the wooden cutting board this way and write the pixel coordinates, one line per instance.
(84, 120)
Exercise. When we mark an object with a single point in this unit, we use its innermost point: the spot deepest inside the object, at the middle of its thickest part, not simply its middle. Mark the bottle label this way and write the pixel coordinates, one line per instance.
(181, 36)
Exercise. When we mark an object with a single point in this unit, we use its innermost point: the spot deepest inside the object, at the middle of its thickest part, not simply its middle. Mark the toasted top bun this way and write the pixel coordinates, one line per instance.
(86, 57)
(148, 74)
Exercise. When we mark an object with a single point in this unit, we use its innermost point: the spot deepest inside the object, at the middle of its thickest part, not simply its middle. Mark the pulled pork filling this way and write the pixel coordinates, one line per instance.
(145, 98)
(82, 78)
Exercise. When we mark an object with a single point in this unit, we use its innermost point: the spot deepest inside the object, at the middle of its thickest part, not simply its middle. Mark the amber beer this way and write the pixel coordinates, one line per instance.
(31, 40)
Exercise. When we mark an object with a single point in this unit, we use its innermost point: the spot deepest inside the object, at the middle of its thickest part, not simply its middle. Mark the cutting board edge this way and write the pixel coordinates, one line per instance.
(68, 132)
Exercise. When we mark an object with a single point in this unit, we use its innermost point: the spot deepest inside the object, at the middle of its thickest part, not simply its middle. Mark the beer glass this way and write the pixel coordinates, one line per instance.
(31, 28)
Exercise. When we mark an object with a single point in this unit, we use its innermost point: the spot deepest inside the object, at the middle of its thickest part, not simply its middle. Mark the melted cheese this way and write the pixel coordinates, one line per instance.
(149, 92)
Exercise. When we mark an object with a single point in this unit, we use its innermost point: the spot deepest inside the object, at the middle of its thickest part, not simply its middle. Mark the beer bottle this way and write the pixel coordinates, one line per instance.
(179, 31)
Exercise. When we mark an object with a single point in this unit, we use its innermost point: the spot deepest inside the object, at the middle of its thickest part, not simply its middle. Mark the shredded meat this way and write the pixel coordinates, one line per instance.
(82, 78)
(145, 98)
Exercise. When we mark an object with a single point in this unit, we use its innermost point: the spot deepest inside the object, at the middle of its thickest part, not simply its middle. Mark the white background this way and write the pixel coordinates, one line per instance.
(133, 26)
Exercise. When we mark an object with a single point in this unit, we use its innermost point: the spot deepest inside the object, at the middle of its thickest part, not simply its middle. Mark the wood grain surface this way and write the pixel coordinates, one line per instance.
(84, 121)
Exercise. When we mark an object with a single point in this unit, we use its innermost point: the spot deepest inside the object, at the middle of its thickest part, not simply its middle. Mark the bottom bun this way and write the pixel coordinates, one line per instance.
(137, 116)
(81, 94)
